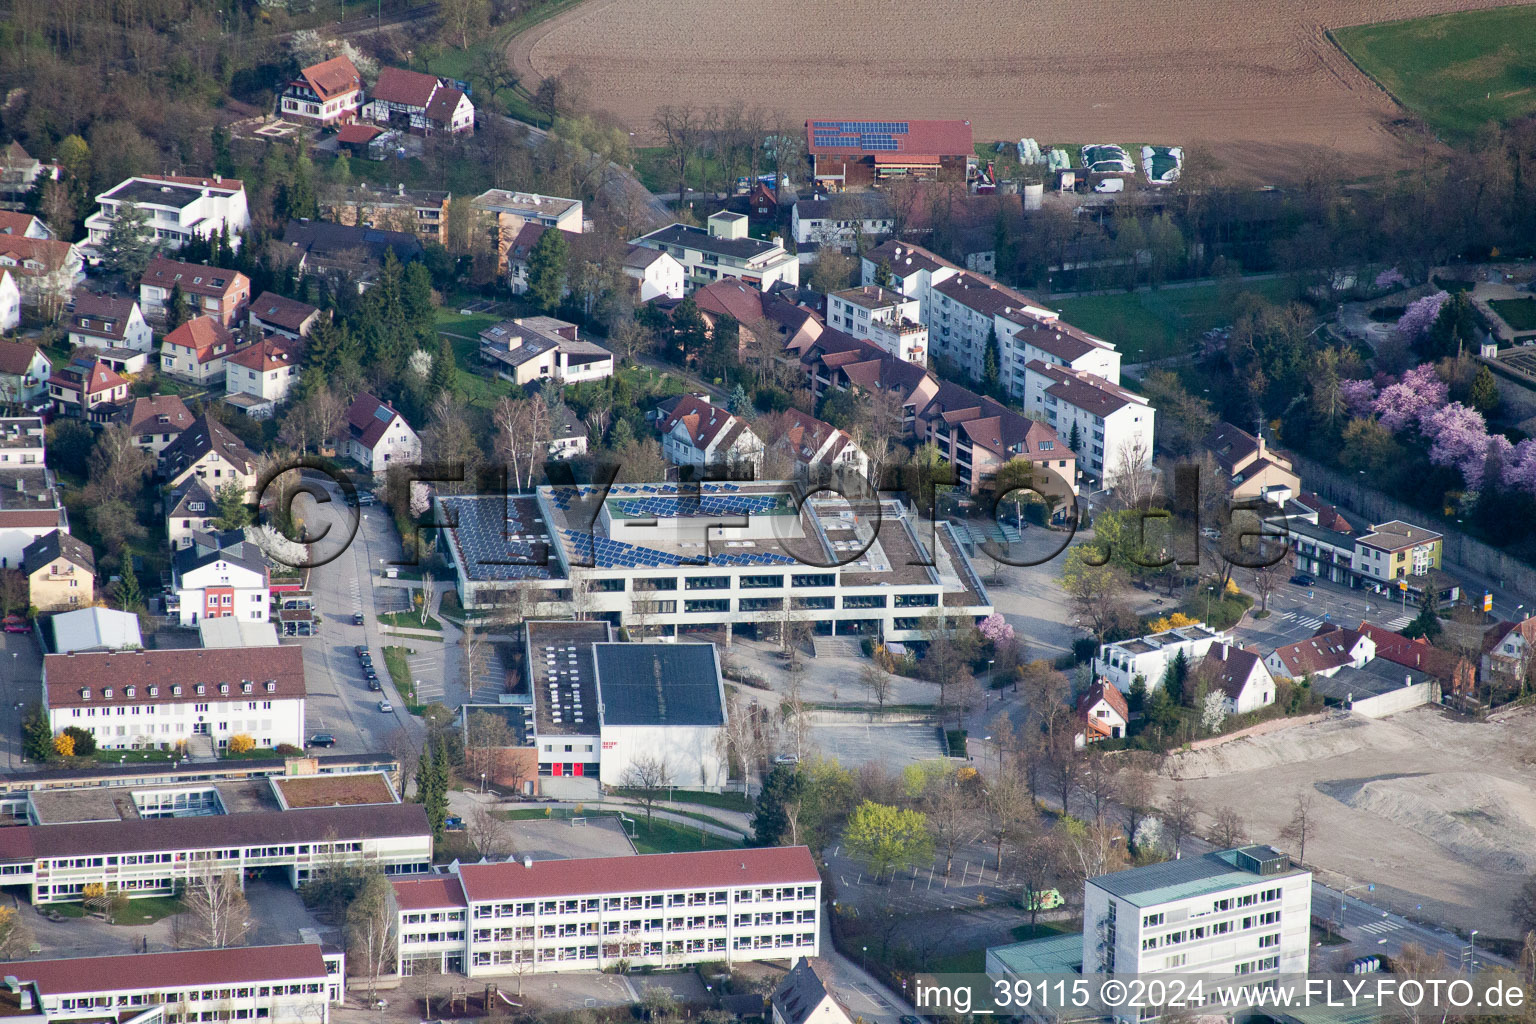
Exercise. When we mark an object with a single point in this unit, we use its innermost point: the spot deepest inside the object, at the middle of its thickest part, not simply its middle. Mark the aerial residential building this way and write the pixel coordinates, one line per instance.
(209, 452)
(210, 291)
(724, 249)
(535, 348)
(10, 301)
(327, 93)
(1112, 425)
(841, 221)
(378, 436)
(276, 984)
(87, 389)
(156, 421)
(24, 372)
(816, 449)
(1102, 714)
(1378, 688)
(1456, 673)
(353, 254)
(22, 441)
(257, 378)
(30, 507)
(854, 153)
(219, 575)
(1507, 649)
(418, 103)
(665, 559)
(511, 211)
(19, 171)
(108, 321)
(272, 314)
(197, 351)
(152, 841)
(193, 510)
(1394, 550)
(889, 319)
(978, 436)
(420, 211)
(44, 270)
(134, 699)
(805, 996)
(177, 208)
(24, 225)
(1254, 471)
(657, 275)
(1238, 673)
(1148, 657)
(1243, 913)
(1324, 654)
(914, 271)
(696, 433)
(567, 434)
(662, 909)
(60, 571)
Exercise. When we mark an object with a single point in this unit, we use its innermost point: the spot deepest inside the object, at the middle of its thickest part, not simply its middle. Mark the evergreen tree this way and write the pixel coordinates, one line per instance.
(546, 270)
(989, 365)
(223, 160)
(328, 339)
(739, 402)
(445, 372)
(296, 199)
(1174, 677)
(436, 801)
(37, 735)
(1136, 700)
(129, 597)
(724, 344)
(424, 774)
(178, 310)
(689, 333)
(1484, 396)
(129, 243)
(621, 435)
(883, 275)
(224, 252)
(1074, 439)
(416, 303)
(234, 513)
(770, 817)
(1427, 623)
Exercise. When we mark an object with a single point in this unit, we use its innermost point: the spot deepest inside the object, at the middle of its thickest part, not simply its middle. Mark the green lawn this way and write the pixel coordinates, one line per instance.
(1154, 324)
(1456, 71)
(132, 756)
(668, 837)
(400, 673)
(409, 620)
(724, 801)
(478, 387)
(148, 910)
(1520, 314)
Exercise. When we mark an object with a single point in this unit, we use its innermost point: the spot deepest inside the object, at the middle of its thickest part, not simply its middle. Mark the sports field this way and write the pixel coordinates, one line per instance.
(1148, 325)
(1457, 71)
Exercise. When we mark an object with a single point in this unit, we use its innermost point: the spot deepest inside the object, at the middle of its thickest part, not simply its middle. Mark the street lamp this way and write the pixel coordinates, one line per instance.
(482, 782)
(992, 679)
(865, 957)
(1339, 918)
(1472, 956)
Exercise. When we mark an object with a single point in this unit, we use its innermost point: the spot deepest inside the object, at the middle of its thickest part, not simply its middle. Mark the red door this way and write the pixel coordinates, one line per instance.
(576, 769)
(557, 769)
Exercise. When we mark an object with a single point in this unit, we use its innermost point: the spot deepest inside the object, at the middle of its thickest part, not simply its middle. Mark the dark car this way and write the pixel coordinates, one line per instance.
(322, 739)
(369, 674)
(1301, 579)
(357, 618)
(373, 684)
(453, 824)
(361, 649)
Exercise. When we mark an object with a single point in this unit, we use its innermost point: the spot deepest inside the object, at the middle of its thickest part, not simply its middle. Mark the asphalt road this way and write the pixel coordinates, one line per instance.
(1372, 931)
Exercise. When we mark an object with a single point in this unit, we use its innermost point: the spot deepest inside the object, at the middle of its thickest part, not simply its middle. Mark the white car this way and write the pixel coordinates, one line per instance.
(386, 707)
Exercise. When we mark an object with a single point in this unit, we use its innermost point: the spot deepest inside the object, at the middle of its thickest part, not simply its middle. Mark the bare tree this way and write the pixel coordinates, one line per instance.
(370, 933)
(680, 128)
(1300, 826)
(406, 750)
(1046, 692)
(218, 913)
(1100, 774)
(1135, 479)
(488, 832)
(476, 650)
(948, 810)
(1134, 791)
(646, 779)
(117, 464)
(1008, 809)
(877, 682)
(486, 735)
(1065, 769)
(1227, 829)
(1178, 815)
(740, 740)
(1265, 580)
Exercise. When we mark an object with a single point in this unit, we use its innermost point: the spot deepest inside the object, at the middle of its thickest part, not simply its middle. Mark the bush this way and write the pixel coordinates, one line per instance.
(1084, 649)
(84, 742)
(1064, 662)
(64, 745)
(288, 750)
(241, 743)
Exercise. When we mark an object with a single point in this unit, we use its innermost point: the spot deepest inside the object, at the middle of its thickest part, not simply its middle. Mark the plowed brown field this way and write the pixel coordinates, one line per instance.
(1256, 81)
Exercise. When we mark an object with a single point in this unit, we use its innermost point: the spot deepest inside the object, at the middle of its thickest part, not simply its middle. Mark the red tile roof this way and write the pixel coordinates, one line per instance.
(49, 252)
(67, 675)
(16, 357)
(1109, 693)
(357, 134)
(656, 872)
(369, 418)
(408, 88)
(702, 420)
(205, 336)
(335, 77)
(144, 415)
(194, 278)
(429, 893)
(101, 316)
(268, 354)
(171, 970)
(219, 184)
(731, 296)
(1229, 668)
(1086, 391)
(1327, 650)
(949, 138)
(444, 102)
(286, 313)
(100, 378)
(13, 223)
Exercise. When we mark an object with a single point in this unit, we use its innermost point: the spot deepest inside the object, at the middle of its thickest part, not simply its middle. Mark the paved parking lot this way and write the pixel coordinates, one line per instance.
(894, 746)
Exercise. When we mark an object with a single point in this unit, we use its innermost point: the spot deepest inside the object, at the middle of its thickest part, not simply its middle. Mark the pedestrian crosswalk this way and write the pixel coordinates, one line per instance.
(1379, 927)
(1301, 619)
(1399, 622)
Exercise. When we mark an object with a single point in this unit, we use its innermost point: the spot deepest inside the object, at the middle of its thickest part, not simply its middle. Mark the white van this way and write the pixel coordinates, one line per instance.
(1110, 185)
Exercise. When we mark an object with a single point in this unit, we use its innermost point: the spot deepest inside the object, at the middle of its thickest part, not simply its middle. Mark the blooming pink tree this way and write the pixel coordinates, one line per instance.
(1358, 395)
(996, 629)
(1520, 467)
(1392, 278)
(1418, 394)
(1419, 315)
(1460, 440)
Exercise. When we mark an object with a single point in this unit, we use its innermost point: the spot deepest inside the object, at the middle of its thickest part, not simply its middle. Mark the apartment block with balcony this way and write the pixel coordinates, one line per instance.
(724, 250)
(1148, 657)
(177, 209)
(887, 318)
(657, 910)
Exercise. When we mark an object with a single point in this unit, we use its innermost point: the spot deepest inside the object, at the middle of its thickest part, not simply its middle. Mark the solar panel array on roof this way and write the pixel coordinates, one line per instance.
(501, 538)
(604, 553)
(658, 684)
(871, 136)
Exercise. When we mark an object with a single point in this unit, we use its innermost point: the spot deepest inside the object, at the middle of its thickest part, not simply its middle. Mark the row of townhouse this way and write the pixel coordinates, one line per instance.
(1062, 375)
(286, 984)
(661, 910)
(673, 559)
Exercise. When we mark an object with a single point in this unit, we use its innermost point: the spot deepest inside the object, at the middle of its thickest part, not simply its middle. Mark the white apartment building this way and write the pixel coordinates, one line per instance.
(667, 560)
(132, 700)
(914, 271)
(724, 250)
(1243, 913)
(219, 576)
(1107, 426)
(257, 378)
(1028, 334)
(1148, 657)
(532, 208)
(656, 910)
(656, 274)
(327, 93)
(292, 984)
(840, 221)
(887, 318)
(695, 432)
(177, 208)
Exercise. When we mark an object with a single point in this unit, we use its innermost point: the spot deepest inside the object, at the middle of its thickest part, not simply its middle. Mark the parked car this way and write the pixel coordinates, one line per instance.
(386, 707)
(322, 739)
(454, 824)
(362, 650)
(369, 674)
(357, 618)
(365, 498)
(17, 624)
(373, 684)
(1301, 579)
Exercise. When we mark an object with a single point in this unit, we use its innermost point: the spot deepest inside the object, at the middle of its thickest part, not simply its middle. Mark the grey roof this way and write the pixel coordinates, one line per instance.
(325, 240)
(1056, 954)
(57, 544)
(659, 684)
(1376, 678)
(94, 629)
(1182, 878)
(703, 241)
(158, 193)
